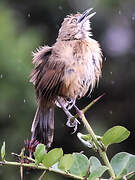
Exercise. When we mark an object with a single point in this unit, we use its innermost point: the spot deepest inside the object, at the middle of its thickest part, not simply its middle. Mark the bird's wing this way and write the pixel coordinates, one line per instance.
(47, 75)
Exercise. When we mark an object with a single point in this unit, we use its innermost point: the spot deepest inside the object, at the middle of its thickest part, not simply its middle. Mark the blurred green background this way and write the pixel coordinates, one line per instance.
(26, 25)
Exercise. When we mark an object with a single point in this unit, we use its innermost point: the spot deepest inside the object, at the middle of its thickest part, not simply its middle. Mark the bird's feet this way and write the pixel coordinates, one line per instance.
(71, 103)
(71, 122)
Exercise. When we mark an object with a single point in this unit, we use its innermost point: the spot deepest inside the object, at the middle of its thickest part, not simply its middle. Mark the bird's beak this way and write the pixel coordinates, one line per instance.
(86, 16)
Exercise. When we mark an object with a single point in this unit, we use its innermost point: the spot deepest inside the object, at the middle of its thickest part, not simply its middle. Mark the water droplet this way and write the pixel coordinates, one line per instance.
(112, 82)
(1, 76)
(105, 59)
(119, 12)
(29, 15)
(24, 100)
(9, 115)
(133, 18)
(111, 72)
(110, 112)
(60, 8)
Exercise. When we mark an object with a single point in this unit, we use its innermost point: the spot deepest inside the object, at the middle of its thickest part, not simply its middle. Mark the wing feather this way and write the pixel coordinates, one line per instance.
(47, 75)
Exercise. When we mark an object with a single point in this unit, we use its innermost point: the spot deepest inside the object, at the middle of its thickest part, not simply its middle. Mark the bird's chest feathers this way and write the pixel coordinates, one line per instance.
(78, 59)
(79, 70)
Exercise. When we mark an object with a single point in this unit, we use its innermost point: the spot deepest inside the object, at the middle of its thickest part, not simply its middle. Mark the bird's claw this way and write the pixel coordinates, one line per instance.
(72, 123)
(71, 103)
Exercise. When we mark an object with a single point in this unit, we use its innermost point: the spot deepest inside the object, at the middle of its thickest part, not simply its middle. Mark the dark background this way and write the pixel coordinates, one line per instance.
(26, 25)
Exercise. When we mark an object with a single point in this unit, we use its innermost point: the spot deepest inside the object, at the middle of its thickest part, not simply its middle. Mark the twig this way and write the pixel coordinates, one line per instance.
(42, 175)
(41, 167)
(92, 103)
(131, 173)
(99, 147)
(21, 172)
(87, 107)
(25, 157)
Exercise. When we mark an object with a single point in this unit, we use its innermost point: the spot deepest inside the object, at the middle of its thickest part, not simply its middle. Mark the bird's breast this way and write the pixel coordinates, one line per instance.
(79, 73)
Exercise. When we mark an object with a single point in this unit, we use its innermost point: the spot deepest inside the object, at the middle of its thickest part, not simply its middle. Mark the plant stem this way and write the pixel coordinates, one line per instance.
(92, 103)
(87, 107)
(34, 166)
(107, 163)
(100, 149)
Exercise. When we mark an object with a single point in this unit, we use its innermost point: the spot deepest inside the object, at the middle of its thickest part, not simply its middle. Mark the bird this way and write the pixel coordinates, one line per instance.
(64, 72)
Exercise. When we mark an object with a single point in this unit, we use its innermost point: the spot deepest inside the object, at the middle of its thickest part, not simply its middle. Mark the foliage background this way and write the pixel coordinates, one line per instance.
(26, 25)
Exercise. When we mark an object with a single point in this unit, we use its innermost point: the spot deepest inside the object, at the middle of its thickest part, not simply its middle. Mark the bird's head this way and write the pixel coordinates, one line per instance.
(76, 26)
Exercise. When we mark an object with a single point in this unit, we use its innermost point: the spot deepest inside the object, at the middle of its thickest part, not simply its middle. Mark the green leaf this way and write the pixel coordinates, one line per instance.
(94, 163)
(80, 165)
(97, 172)
(96, 169)
(116, 134)
(3, 151)
(123, 163)
(66, 162)
(39, 153)
(52, 157)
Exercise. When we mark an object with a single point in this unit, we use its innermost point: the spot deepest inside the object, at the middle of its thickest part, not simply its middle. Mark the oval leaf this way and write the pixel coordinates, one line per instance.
(94, 163)
(97, 172)
(123, 163)
(66, 162)
(80, 165)
(116, 134)
(52, 157)
(39, 153)
(3, 151)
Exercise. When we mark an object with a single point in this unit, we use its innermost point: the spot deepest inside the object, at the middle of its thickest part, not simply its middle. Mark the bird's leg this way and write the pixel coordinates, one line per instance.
(70, 116)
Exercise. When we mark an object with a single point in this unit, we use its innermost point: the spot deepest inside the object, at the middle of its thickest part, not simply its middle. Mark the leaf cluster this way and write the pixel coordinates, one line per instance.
(73, 164)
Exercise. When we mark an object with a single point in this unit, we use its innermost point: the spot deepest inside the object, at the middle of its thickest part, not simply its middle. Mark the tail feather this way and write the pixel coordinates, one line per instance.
(43, 126)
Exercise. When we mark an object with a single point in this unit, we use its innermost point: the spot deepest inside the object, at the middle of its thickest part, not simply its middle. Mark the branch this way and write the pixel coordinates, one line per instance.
(87, 107)
(100, 147)
(41, 167)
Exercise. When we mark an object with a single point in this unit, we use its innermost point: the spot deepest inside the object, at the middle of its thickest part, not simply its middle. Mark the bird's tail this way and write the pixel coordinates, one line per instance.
(43, 126)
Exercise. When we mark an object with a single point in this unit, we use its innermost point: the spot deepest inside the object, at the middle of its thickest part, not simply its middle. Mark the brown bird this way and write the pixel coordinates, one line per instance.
(64, 72)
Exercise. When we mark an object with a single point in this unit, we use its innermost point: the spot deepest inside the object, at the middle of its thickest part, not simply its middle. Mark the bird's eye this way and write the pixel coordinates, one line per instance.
(73, 20)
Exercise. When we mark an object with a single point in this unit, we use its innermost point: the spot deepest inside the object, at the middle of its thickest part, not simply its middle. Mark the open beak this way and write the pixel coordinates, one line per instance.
(86, 16)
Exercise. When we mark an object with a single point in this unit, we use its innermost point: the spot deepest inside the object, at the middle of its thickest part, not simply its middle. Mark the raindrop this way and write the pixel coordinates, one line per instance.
(1, 76)
(24, 100)
(60, 8)
(112, 82)
(119, 12)
(110, 112)
(111, 72)
(133, 17)
(29, 15)
(9, 115)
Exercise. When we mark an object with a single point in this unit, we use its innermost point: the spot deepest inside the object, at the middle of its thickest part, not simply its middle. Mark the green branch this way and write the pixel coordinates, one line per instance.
(87, 107)
(100, 147)
(41, 167)
(101, 151)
